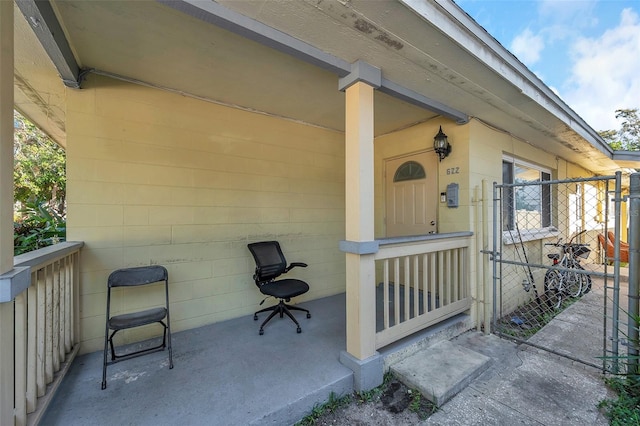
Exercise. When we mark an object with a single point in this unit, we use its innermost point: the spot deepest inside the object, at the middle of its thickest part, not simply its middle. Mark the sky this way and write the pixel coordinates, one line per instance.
(586, 51)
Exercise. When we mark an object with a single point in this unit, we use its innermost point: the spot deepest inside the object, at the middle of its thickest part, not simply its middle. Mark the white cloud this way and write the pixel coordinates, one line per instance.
(527, 47)
(605, 75)
(568, 11)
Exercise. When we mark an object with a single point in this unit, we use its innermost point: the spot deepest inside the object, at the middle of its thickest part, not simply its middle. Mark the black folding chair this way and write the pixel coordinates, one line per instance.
(270, 264)
(135, 277)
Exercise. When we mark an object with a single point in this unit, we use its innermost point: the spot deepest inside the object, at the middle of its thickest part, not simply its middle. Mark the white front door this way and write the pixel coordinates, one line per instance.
(411, 194)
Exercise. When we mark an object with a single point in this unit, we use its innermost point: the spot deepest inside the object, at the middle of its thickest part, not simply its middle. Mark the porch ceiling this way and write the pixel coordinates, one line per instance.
(429, 47)
(155, 44)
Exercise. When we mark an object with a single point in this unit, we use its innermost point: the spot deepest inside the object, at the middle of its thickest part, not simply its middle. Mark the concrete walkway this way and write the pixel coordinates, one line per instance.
(523, 385)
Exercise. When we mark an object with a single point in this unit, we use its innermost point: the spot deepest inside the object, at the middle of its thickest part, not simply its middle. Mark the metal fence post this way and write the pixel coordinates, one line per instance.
(495, 255)
(634, 270)
(615, 342)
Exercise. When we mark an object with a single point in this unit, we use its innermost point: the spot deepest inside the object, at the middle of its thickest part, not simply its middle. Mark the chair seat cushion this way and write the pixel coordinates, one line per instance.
(136, 319)
(284, 289)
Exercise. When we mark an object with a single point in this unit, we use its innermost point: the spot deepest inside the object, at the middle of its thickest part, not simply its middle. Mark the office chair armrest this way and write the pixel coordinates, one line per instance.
(294, 264)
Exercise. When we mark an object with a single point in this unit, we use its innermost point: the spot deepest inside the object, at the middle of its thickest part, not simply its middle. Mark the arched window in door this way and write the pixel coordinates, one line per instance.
(410, 170)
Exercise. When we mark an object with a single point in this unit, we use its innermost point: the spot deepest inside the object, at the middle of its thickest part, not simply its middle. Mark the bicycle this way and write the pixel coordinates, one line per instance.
(568, 280)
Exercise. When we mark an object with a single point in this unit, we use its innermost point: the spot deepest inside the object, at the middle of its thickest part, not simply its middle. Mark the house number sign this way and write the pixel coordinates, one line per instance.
(453, 171)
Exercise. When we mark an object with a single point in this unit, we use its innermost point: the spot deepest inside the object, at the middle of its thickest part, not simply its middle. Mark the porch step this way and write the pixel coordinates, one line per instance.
(444, 330)
(440, 371)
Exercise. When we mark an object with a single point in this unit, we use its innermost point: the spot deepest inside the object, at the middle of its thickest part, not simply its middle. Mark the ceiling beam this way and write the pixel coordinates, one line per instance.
(42, 19)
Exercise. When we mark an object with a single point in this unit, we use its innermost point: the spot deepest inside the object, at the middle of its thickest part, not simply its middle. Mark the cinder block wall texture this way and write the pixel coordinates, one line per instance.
(159, 178)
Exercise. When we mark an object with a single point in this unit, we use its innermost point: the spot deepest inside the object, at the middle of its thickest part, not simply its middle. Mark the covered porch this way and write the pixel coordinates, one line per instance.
(226, 370)
(201, 127)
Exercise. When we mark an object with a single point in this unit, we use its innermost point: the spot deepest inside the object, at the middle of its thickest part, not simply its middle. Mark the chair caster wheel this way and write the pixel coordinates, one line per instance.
(298, 330)
(261, 332)
(255, 317)
(308, 315)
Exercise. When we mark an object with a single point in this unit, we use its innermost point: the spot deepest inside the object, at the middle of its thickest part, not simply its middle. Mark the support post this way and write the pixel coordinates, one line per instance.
(6, 210)
(634, 271)
(360, 246)
(360, 268)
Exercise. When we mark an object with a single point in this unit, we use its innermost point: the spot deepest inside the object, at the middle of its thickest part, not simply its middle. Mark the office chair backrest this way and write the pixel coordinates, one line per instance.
(270, 261)
(137, 276)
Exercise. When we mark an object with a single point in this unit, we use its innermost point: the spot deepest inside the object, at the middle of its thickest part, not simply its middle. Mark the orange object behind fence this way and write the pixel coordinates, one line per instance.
(607, 247)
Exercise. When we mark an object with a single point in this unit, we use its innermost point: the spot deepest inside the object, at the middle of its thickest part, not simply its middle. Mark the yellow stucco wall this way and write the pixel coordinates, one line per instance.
(488, 146)
(158, 178)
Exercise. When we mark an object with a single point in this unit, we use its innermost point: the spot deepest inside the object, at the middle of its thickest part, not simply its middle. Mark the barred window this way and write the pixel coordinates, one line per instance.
(527, 206)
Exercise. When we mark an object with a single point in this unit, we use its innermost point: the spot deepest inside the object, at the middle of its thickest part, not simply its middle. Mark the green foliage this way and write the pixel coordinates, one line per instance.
(39, 166)
(420, 405)
(626, 409)
(333, 404)
(627, 138)
(365, 397)
(41, 226)
(39, 188)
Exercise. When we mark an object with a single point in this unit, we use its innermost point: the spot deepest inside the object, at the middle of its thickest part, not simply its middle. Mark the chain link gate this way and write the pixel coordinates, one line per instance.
(554, 269)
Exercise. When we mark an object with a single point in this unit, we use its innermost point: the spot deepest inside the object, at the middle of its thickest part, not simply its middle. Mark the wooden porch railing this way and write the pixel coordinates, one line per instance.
(45, 329)
(420, 283)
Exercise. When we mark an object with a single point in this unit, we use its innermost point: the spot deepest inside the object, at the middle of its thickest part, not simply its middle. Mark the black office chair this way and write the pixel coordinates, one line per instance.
(133, 277)
(270, 264)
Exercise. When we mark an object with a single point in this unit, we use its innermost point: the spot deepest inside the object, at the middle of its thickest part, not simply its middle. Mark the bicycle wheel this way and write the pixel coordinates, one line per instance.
(552, 289)
(572, 285)
(586, 280)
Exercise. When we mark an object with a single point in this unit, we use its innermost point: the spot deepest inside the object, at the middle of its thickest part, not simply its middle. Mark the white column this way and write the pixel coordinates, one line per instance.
(6, 136)
(6, 208)
(359, 194)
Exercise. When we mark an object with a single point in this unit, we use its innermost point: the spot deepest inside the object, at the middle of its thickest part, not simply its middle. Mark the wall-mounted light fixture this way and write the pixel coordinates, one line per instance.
(441, 144)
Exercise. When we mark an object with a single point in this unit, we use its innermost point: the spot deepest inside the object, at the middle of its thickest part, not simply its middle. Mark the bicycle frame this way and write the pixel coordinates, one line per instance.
(566, 279)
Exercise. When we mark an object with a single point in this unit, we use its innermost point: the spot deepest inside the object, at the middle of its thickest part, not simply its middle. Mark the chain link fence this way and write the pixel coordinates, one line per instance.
(552, 248)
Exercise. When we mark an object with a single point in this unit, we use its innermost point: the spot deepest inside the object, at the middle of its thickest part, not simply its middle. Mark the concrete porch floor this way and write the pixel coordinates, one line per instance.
(224, 374)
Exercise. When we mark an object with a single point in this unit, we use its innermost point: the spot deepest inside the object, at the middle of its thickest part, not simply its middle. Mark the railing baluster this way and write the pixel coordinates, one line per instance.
(20, 359)
(396, 291)
(455, 280)
(407, 287)
(416, 286)
(67, 305)
(56, 317)
(385, 291)
(32, 345)
(48, 353)
(75, 293)
(425, 283)
(41, 321)
(441, 276)
(464, 281)
(447, 272)
(433, 281)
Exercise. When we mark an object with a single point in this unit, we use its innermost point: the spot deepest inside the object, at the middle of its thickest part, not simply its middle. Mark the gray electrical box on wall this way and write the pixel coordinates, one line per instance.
(452, 195)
